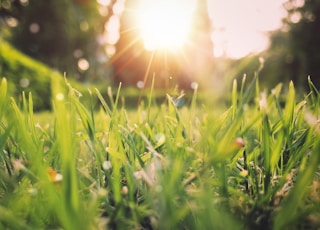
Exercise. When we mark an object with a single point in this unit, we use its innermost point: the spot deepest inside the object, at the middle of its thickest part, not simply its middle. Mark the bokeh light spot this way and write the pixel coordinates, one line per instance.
(83, 64)
(84, 26)
(24, 82)
(104, 2)
(24, 2)
(34, 28)
(118, 7)
(140, 84)
(110, 50)
(295, 17)
(77, 53)
(12, 22)
(60, 96)
(194, 85)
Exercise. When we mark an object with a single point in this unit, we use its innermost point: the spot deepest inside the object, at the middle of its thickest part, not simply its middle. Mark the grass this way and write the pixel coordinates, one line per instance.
(28, 75)
(166, 166)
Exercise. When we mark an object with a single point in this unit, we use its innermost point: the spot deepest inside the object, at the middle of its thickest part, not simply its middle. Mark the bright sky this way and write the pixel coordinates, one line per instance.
(241, 24)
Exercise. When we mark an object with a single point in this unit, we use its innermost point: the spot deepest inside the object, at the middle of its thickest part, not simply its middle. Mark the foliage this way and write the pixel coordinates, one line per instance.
(57, 33)
(255, 166)
(294, 52)
(26, 74)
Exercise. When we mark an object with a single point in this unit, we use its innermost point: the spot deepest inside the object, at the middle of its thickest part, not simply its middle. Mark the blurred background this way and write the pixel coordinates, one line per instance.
(186, 44)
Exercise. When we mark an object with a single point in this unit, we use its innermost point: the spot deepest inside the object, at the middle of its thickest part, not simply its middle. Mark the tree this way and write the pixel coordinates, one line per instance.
(296, 46)
(62, 34)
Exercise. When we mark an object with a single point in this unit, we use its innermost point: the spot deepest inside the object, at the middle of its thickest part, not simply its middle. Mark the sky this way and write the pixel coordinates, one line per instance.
(241, 25)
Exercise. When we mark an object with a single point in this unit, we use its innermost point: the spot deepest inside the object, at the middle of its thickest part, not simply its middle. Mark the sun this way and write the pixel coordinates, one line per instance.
(164, 24)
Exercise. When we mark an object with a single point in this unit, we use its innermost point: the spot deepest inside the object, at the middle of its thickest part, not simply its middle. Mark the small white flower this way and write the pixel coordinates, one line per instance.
(18, 165)
(312, 121)
(263, 102)
(106, 165)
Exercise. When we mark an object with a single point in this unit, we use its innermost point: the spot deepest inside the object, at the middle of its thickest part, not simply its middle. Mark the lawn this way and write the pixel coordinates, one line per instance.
(170, 165)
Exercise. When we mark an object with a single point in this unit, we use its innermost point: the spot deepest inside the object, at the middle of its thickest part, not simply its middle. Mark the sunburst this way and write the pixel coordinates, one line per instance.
(157, 39)
(165, 24)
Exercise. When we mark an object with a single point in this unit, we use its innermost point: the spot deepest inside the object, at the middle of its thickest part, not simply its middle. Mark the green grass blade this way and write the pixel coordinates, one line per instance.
(103, 103)
(3, 96)
(234, 98)
(289, 211)
(65, 124)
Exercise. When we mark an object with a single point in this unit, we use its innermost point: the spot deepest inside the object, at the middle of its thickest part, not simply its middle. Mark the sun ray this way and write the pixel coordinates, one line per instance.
(122, 51)
(148, 68)
(158, 37)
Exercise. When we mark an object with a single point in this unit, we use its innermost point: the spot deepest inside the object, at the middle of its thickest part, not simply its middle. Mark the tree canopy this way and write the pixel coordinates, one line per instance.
(295, 48)
(62, 34)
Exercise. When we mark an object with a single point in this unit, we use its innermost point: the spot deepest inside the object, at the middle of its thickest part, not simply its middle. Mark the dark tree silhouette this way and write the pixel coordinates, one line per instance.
(295, 49)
